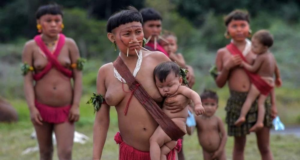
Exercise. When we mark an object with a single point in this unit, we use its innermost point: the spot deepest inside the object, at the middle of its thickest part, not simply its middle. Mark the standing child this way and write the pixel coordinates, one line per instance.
(265, 66)
(169, 43)
(169, 83)
(210, 128)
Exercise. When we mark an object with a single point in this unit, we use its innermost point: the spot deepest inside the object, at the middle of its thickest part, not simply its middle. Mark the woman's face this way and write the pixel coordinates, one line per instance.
(129, 37)
(51, 24)
(238, 29)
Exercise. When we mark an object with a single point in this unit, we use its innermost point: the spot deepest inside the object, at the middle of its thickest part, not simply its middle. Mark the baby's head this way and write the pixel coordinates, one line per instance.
(262, 40)
(171, 45)
(167, 78)
(210, 102)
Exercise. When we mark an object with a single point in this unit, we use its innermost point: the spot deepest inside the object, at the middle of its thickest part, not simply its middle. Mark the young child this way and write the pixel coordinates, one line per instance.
(265, 66)
(169, 43)
(210, 128)
(169, 83)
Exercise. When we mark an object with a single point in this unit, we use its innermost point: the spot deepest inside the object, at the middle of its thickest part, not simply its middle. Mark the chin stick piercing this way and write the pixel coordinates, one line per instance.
(145, 49)
(148, 39)
(136, 52)
(155, 43)
(160, 37)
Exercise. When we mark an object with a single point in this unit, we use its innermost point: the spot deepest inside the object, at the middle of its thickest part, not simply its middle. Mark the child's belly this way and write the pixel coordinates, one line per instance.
(210, 141)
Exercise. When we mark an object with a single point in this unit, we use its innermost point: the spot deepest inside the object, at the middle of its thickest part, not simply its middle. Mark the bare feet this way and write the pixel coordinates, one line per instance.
(256, 127)
(240, 121)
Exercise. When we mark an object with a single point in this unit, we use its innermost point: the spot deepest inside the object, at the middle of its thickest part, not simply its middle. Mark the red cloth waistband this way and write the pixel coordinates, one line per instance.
(127, 152)
(53, 114)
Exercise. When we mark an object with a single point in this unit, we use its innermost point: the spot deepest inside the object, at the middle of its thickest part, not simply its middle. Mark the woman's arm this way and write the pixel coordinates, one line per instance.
(224, 68)
(27, 57)
(77, 75)
(102, 119)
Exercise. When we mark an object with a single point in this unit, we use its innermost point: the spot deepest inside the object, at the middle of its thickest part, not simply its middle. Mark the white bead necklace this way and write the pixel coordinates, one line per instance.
(136, 69)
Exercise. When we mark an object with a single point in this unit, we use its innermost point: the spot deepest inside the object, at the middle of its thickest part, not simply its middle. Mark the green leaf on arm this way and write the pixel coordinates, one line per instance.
(96, 100)
(80, 63)
(25, 68)
(213, 71)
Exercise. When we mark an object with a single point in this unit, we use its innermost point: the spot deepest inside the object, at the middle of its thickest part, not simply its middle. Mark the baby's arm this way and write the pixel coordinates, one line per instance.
(223, 140)
(253, 68)
(189, 93)
(278, 81)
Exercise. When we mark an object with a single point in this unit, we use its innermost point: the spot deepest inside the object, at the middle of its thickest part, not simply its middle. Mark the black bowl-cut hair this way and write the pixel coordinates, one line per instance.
(164, 69)
(150, 14)
(124, 16)
(52, 9)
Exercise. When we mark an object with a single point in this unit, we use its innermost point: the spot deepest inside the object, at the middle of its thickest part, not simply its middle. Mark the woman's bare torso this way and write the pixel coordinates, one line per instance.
(54, 89)
(137, 126)
(208, 133)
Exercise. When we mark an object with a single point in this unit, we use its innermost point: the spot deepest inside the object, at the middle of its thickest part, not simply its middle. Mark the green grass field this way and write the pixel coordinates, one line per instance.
(15, 138)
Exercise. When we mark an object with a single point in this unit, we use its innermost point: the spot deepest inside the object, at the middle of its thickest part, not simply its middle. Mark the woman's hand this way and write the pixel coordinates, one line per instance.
(74, 114)
(233, 62)
(35, 116)
(176, 103)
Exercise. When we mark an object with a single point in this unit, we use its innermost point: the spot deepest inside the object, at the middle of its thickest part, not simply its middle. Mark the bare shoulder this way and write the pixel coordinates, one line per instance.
(222, 51)
(29, 45)
(184, 89)
(104, 69)
(155, 55)
(70, 41)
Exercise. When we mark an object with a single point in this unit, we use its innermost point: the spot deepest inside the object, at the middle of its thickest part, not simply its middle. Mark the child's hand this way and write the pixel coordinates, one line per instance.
(278, 82)
(216, 154)
(199, 109)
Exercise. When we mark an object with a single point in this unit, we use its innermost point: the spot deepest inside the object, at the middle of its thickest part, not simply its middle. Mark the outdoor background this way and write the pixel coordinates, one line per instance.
(200, 30)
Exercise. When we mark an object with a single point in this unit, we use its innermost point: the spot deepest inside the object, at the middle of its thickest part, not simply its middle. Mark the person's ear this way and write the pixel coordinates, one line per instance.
(111, 37)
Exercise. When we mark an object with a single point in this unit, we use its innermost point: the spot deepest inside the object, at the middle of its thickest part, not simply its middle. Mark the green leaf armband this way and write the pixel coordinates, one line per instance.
(183, 74)
(97, 100)
(25, 68)
(213, 71)
(79, 64)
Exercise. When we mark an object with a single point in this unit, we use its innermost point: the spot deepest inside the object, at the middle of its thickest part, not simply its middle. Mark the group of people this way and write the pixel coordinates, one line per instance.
(150, 84)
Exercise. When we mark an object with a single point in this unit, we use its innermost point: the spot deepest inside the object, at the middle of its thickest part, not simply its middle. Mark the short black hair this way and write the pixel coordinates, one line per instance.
(164, 69)
(122, 17)
(52, 9)
(237, 15)
(209, 94)
(264, 37)
(150, 14)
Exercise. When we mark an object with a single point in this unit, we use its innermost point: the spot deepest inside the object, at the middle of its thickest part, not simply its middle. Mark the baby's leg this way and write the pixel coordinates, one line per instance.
(158, 139)
(252, 95)
(261, 114)
(166, 149)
